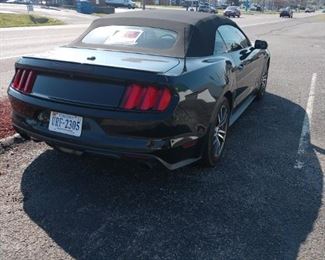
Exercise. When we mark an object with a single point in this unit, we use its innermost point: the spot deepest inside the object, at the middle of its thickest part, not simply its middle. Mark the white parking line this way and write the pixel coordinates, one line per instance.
(305, 131)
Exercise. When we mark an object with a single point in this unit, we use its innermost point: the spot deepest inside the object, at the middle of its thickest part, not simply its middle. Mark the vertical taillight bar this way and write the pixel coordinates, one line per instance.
(17, 78)
(30, 82)
(22, 80)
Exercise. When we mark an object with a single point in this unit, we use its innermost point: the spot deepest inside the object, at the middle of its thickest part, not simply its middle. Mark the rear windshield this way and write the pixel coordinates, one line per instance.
(131, 37)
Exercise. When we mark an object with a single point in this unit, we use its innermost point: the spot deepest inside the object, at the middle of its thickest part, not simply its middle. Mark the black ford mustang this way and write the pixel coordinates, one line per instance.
(147, 85)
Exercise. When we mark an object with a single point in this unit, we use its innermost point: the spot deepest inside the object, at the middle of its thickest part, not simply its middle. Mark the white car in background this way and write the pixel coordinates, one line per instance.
(121, 3)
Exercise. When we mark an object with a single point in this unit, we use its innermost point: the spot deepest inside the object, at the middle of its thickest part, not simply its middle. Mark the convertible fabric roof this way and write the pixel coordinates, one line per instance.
(195, 30)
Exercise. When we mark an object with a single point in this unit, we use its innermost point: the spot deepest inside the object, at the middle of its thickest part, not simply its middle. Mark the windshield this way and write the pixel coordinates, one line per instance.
(132, 37)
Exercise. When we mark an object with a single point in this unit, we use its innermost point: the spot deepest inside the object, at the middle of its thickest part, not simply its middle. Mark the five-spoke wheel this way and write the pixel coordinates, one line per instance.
(216, 137)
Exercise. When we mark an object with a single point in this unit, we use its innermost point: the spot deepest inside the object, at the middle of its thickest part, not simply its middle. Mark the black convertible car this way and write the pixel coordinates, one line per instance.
(148, 85)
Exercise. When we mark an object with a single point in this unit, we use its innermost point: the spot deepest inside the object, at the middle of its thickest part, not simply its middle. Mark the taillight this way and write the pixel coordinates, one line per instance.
(144, 98)
(24, 80)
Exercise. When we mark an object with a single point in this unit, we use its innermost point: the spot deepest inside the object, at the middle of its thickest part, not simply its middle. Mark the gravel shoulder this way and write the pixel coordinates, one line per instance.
(6, 128)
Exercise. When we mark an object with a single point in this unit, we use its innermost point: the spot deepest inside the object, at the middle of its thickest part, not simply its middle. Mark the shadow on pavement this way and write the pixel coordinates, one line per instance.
(254, 205)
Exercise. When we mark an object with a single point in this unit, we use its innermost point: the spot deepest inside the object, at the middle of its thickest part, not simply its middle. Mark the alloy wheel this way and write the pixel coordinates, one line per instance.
(220, 131)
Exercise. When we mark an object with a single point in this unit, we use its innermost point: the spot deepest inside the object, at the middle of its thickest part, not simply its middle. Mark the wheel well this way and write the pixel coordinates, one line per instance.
(229, 96)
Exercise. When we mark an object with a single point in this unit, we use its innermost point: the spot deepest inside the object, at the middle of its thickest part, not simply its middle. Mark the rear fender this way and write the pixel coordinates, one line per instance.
(200, 89)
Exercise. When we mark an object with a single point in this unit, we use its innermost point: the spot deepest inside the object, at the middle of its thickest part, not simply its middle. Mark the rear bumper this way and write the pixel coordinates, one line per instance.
(31, 116)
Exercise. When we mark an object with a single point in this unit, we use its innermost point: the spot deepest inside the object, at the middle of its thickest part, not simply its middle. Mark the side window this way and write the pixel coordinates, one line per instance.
(219, 44)
(233, 38)
(244, 41)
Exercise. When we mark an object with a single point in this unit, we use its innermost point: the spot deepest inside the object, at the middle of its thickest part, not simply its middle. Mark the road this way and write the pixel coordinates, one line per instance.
(16, 42)
(265, 200)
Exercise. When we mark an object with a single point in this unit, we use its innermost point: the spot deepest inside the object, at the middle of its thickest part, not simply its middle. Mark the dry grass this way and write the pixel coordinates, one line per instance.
(17, 20)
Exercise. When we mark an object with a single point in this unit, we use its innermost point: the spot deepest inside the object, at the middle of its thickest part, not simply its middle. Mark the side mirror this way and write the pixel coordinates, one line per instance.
(260, 45)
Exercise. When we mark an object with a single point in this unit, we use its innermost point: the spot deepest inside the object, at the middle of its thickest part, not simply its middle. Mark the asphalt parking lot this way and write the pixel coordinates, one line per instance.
(265, 200)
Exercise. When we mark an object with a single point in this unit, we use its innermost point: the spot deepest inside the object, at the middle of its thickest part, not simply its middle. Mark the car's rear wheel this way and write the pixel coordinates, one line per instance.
(216, 137)
(263, 83)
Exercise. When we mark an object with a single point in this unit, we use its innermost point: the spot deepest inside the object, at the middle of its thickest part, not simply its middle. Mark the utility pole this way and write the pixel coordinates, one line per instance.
(143, 4)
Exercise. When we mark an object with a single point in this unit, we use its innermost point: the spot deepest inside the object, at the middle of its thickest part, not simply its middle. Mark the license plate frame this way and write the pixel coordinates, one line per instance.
(65, 124)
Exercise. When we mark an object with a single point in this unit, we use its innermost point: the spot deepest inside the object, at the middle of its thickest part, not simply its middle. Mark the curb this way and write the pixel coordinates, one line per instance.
(7, 142)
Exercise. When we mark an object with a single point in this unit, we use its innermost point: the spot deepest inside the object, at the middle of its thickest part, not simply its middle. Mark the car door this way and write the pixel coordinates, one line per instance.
(245, 61)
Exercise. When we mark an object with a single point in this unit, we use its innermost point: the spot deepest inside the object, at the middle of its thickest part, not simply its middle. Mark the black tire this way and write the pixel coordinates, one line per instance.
(263, 83)
(216, 136)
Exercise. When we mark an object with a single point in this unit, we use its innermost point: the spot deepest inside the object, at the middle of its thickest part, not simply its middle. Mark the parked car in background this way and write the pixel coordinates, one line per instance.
(19, 1)
(232, 11)
(150, 85)
(286, 12)
(121, 3)
(256, 7)
(221, 6)
(190, 3)
(207, 8)
(310, 10)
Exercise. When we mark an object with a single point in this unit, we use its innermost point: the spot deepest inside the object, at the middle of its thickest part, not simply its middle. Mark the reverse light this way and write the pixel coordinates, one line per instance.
(144, 98)
(24, 80)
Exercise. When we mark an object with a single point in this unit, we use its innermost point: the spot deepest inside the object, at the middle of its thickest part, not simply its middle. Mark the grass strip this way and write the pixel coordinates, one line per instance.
(18, 20)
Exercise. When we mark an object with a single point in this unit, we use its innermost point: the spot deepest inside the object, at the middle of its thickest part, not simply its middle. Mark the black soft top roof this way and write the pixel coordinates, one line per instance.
(195, 30)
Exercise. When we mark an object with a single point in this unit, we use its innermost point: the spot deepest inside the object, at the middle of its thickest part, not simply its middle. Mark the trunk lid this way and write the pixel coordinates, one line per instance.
(125, 60)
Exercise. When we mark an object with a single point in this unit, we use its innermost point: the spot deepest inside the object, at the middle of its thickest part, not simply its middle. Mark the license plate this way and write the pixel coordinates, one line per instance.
(65, 124)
